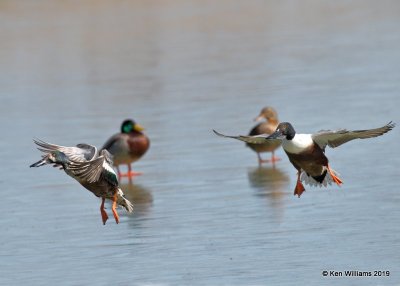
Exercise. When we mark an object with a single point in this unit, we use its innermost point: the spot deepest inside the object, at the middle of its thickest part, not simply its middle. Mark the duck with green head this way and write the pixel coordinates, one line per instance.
(128, 146)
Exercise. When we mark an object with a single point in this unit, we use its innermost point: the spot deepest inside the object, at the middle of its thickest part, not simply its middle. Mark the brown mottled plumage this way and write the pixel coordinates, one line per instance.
(267, 127)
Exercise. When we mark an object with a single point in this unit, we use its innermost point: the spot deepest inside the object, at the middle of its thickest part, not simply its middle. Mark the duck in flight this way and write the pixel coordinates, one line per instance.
(268, 126)
(92, 169)
(307, 151)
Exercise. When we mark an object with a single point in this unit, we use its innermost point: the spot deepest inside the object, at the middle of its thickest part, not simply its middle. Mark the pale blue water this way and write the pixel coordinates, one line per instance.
(205, 214)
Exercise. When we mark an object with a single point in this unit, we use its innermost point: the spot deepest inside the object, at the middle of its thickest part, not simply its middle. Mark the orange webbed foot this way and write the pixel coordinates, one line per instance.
(299, 186)
(129, 174)
(275, 159)
(299, 189)
(335, 178)
(104, 216)
(272, 160)
(133, 174)
(116, 216)
(114, 209)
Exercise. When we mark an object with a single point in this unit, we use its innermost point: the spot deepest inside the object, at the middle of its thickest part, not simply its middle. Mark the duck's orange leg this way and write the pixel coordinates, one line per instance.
(130, 173)
(118, 172)
(104, 215)
(114, 209)
(260, 160)
(272, 160)
(299, 186)
(335, 178)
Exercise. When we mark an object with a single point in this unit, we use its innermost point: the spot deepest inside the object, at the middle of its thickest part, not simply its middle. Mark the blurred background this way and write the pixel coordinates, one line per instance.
(205, 213)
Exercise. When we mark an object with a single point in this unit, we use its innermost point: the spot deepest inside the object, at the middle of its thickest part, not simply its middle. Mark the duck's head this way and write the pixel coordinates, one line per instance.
(284, 130)
(267, 113)
(129, 125)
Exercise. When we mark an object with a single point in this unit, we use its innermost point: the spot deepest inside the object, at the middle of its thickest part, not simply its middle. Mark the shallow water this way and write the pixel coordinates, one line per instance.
(205, 214)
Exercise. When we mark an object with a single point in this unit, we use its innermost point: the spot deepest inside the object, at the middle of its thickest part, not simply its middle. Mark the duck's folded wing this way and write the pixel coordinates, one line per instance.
(258, 139)
(111, 141)
(81, 153)
(336, 138)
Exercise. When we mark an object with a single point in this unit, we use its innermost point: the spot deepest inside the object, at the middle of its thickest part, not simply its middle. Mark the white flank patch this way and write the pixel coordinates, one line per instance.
(308, 180)
(108, 167)
(299, 143)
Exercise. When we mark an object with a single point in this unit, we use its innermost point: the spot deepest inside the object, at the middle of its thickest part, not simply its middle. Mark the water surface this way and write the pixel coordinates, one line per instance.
(205, 214)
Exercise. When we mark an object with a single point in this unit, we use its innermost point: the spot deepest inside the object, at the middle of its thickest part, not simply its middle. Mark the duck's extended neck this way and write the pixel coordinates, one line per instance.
(273, 121)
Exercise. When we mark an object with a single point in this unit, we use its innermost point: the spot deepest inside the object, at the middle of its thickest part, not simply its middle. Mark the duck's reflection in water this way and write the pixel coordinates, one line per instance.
(140, 197)
(270, 183)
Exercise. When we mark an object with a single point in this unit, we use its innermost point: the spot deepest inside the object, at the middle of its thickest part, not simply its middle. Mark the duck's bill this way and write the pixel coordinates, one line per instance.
(138, 127)
(258, 118)
(259, 139)
(277, 135)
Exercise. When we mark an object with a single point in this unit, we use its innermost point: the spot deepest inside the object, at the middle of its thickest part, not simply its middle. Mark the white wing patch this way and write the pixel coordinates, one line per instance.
(298, 144)
(108, 167)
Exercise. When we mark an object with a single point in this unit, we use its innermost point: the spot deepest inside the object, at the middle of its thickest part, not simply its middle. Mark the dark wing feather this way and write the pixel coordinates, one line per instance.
(110, 142)
(258, 139)
(336, 138)
(262, 128)
(255, 130)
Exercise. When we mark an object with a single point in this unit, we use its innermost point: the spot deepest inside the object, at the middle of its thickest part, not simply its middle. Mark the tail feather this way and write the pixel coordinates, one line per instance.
(39, 163)
(320, 179)
(55, 157)
(324, 180)
(122, 201)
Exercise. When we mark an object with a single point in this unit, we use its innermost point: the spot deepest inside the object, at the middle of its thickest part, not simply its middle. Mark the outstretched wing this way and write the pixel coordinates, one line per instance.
(258, 139)
(94, 170)
(81, 153)
(336, 138)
